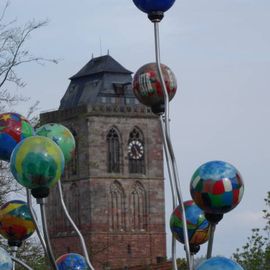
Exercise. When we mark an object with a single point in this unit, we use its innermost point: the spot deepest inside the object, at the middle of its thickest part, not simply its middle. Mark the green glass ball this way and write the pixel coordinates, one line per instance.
(37, 162)
(61, 136)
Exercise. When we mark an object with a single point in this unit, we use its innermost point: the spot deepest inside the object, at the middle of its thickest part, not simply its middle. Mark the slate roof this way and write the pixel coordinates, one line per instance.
(99, 81)
(99, 65)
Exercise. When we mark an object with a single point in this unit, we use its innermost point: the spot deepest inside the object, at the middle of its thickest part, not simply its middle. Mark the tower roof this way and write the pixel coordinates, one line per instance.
(101, 81)
(100, 65)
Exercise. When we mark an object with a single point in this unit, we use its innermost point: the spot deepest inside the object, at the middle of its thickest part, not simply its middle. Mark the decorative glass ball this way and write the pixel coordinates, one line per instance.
(197, 225)
(147, 86)
(149, 6)
(219, 263)
(216, 187)
(16, 223)
(37, 162)
(13, 129)
(72, 261)
(5, 260)
(61, 136)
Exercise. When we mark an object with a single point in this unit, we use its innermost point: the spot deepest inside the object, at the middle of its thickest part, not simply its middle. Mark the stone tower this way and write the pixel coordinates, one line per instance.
(114, 186)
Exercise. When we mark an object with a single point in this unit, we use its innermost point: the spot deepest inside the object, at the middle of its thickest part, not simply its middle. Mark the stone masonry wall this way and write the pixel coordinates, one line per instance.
(88, 194)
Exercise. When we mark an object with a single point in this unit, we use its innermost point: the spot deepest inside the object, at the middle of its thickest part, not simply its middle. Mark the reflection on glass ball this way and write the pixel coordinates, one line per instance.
(216, 187)
(37, 162)
(72, 261)
(219, 263)
(149, 6)
(5, 260)
(16, 222)
(13, 129)
(61, 136)
(197, 225)
(147, 86)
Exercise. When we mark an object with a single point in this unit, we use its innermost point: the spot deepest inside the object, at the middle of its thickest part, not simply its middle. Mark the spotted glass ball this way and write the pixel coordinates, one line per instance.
(217, 187)
(219, 263)
(72, 261)
(61, 136)
(13, 129)
(5, 260)
(16, 223)
(147, 86)
(149, 6)
(37, 162)
(197, 225)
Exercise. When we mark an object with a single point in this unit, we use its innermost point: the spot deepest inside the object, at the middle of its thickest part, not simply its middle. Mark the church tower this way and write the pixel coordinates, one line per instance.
(114, 186)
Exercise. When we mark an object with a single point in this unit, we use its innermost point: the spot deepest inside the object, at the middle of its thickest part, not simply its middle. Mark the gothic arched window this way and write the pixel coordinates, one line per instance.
(138, 208)
(136, 153)
(74, 161)
(117, 219)
(72, 167)
(113, 153)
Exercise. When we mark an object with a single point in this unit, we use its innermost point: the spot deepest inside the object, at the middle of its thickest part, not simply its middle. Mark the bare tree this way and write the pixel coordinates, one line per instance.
(13, 53)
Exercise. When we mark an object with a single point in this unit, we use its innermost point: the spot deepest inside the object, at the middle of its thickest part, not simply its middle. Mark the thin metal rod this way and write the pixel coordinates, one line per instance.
(14, 259)
(212, 229)
(164, 91)
(14, 250)
(41, 203)
(174, 262)
(168, 140)
(192, 261)
(84, 248)
(169, 163)
(174, 197)
(38, 230)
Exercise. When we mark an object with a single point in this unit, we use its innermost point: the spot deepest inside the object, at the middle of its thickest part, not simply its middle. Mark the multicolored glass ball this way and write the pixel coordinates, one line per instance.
(13, 129)
(197, 225)
(219, 263)
(149, 6)
(216, 187)
(72, 261)
(61, 136)
(5, 260)
(147, 86)
(16, 223)
(37, 162)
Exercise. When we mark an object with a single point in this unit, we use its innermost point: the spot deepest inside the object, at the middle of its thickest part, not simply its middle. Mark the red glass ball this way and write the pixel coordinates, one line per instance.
(147, 86)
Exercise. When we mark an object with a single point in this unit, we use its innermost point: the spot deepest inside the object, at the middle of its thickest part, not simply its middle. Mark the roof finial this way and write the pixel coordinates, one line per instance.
(100, 46)
(92, 55)
(108, 52)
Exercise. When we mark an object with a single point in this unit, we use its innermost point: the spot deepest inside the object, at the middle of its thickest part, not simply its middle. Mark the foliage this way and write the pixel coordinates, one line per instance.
(30, 252)
(255, 254)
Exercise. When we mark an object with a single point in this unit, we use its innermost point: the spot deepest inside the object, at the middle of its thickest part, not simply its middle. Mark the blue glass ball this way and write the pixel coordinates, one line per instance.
(219, 263)
(5, 260)
(72, 261)
(149, 6)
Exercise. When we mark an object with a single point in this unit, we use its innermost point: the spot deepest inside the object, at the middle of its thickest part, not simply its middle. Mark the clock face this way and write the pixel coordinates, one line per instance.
(135, 149)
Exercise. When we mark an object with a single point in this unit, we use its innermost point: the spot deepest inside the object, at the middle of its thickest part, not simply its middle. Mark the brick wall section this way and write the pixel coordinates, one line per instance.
(159, 266)
(92, 186)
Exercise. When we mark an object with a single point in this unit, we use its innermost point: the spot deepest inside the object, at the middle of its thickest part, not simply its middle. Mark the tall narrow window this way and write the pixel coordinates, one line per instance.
(113, 154)
(72, 167)
(138, 207)
(136, 153)
(74, 160)
(118, 220)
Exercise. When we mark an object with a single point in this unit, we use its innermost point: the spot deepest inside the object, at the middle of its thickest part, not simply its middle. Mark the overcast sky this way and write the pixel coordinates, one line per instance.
(219, 51)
